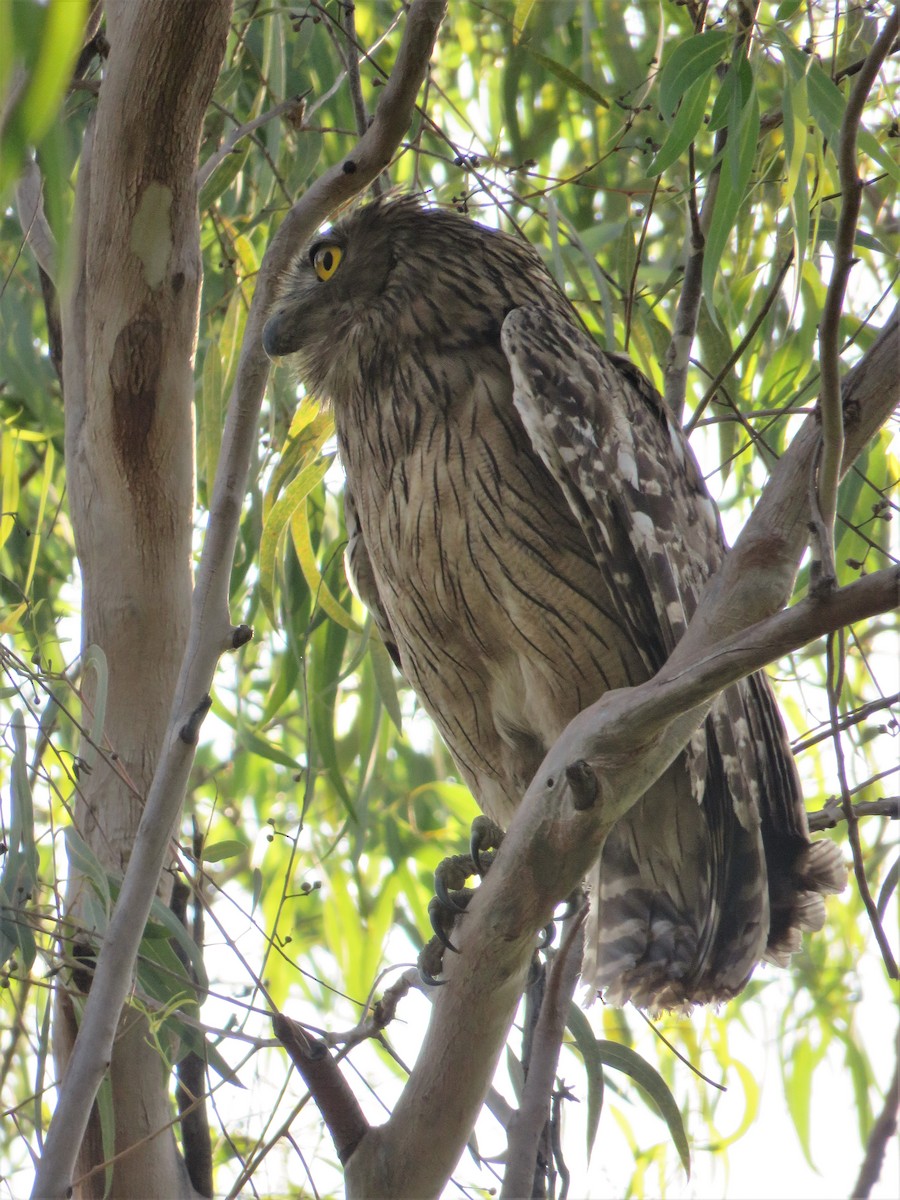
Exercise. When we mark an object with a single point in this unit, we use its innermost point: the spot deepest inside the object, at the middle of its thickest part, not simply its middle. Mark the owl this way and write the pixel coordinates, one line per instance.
(529, 529)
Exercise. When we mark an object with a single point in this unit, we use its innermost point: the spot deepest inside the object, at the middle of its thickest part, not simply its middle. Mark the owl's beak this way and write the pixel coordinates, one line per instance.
(279, 338)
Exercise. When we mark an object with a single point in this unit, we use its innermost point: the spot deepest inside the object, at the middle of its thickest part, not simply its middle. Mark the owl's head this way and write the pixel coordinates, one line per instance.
(394, 278)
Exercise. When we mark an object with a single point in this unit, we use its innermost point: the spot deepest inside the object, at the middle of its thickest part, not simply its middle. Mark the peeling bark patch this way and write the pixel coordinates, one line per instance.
(134, 375)
(151, 232)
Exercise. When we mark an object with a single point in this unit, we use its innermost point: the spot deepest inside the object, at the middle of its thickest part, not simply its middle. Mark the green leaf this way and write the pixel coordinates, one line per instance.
(569, 78)
(55, 31)
(248, 739)
(827, 105)
(586, 1042)
(321, 592)
(383, 670)
(328, 651)
(210, 415)
(826, 231)
(796, 121)
(83, 860)
(163, 914)
(60, 46)
(621, 1058)
(18, 879)
(798, 1074)
(217, 851)
(687, 121)
(734, 181)
(162, 974)
(691, 59)
(520, 17)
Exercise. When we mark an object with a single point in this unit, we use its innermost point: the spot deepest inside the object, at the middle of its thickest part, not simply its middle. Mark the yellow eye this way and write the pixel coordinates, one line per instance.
(326, 260)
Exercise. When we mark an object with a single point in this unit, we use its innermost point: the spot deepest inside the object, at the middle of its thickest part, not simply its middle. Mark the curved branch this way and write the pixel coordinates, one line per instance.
(832, 813)
(527, 1125)
(882, 1131)
(33, 219)
(829, 466)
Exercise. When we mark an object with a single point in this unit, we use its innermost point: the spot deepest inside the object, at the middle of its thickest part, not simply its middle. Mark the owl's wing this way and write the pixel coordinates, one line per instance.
(362, 576)
(629, 476)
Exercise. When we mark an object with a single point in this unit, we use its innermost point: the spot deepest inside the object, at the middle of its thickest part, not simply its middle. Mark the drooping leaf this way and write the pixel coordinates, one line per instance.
(621, 1058)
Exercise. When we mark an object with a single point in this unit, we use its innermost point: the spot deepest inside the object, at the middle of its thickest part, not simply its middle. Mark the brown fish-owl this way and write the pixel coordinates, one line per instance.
(529, 528)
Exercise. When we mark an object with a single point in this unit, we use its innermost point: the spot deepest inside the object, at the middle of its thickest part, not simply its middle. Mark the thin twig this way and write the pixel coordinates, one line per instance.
(687, 311)
(638, 258)
(291, 107)
(822, 573)
(527, 1125)
(835, 811)
(882, 1131)
(835, 668)
(353, 79)
(853, 718)
(742, 345)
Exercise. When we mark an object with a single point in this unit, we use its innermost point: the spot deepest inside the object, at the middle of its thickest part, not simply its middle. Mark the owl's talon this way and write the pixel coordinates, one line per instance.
(443, 916)
(451, 896)
(574, 905)
(450, 881)
(535, 971)
(485, 836)
(548, 935)
(430, 963)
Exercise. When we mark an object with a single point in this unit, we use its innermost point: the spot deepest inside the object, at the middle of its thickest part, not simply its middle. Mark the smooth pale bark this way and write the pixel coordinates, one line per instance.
(129, 330)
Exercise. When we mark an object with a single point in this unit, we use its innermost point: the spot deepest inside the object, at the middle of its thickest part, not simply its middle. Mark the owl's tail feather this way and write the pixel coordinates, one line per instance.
(818, 871)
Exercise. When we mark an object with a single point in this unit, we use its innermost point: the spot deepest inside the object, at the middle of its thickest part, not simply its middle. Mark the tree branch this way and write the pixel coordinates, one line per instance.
(855, 717)
(33, 219)
(823, 573)
(882, 1131)
(210, 621)
(834, 811)
(527, 1125)
(320, 1072)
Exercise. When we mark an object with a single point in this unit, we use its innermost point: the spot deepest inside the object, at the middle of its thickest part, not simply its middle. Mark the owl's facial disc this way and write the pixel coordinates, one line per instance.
(319, 299)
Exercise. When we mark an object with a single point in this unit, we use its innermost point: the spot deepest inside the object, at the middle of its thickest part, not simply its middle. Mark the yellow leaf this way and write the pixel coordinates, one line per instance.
(321, 592)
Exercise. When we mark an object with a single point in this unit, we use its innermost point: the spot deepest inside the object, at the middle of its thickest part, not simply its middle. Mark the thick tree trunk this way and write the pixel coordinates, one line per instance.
(129, 331)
